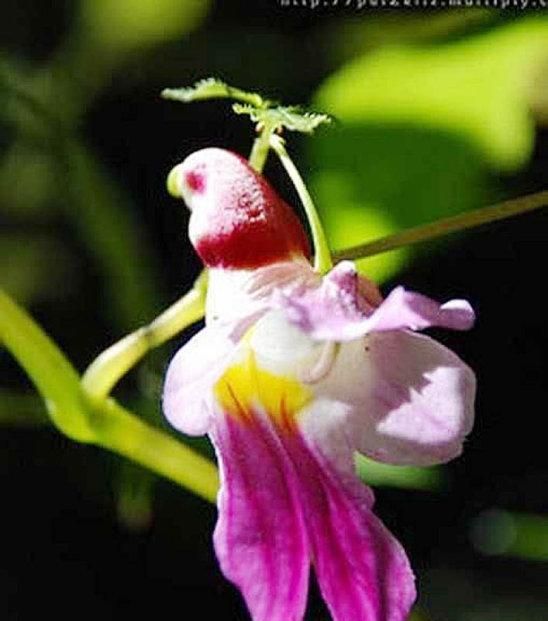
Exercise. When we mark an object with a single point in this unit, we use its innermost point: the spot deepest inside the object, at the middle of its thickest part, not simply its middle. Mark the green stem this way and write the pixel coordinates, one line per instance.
(120, 431)
(112, 364)
(322, 259)
(260, 148)
(445, 226)
(52, 374)
(102, 422)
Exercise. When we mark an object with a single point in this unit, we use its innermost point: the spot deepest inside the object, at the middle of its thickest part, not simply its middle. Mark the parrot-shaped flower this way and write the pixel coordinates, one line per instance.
(292, 374)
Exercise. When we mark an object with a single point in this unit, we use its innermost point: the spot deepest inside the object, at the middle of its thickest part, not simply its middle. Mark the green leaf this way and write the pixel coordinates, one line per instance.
(373, 180)
(129, 24)
(293, 118)
(477, 87)
(212, 88)
(505, 533)
(264, 111)
(421, 129)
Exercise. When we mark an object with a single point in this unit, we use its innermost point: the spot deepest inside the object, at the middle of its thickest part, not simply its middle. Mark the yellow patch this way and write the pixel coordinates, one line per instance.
(244, 387)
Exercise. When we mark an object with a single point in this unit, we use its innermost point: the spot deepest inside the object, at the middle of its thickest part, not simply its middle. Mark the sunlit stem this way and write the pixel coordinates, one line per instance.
(112, 364)
(120, 431)
(322, 255)
(54, 377)
(445, 226)
(101, 422)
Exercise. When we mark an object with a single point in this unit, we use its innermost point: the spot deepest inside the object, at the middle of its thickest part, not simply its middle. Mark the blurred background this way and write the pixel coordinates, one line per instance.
(436, 113)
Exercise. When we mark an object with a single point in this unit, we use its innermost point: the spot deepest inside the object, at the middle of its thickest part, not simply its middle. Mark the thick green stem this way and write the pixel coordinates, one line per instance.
(52, 374)
(102, 422)
(445, 226)
(322, 259)
(120, 431)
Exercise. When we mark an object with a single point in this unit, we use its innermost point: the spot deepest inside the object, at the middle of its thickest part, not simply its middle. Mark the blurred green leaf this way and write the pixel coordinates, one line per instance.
(22, 410)
(421, 128)
(506, 533)
(477, 87)
(35, 267)
(374, 180)
(26, 181)
(129, 24)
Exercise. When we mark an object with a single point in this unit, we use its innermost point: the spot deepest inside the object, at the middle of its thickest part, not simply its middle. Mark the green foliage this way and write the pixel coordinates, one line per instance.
(127, 24)
(261, 111)
(213, 88)
(476, 87)
(293, 118)
(419, 129)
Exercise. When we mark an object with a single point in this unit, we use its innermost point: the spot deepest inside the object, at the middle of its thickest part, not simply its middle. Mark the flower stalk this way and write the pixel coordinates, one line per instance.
(322, 255)
(446, 226)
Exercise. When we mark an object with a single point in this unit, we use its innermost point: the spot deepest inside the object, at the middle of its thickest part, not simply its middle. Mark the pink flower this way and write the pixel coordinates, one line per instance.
(292, 375)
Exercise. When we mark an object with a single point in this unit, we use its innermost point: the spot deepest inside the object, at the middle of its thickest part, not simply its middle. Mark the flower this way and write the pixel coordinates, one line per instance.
(292, 374)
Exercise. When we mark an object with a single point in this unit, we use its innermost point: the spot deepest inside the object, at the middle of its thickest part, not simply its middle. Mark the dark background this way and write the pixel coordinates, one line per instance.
(67, 547)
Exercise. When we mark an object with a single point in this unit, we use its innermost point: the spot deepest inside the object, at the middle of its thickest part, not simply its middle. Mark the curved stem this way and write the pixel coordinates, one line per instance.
(55, 378)
(112, 364)
(445, 226)
(120, 431)
(322, 255)
(98, 421)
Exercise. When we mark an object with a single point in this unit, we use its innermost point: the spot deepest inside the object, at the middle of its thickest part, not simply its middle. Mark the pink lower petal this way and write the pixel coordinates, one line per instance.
(283, 502)
(260, 537)
(363, 572)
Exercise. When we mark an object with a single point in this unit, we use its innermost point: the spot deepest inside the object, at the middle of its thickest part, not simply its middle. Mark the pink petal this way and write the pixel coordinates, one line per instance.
(406, 309)
(190, 377)
(363, 572)
(411, 399)
(260, 537)
(344, 307)
(283, 501)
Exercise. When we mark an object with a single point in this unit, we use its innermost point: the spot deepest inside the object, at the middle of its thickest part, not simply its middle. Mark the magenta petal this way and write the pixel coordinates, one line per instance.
(260, 537)
(189, 380)
(362, 570)
(283, 503)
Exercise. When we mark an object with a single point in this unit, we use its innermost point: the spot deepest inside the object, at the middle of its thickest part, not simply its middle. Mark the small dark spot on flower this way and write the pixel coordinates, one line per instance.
(195, 181)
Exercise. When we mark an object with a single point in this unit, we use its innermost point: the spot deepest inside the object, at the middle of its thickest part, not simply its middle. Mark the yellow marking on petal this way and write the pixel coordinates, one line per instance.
(245, 387)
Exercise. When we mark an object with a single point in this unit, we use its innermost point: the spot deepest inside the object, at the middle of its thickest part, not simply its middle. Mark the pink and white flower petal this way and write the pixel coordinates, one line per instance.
(409, 399)
(190, 377)
(402, 398)
(290, 493)
(344, 306)
(237, 298)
